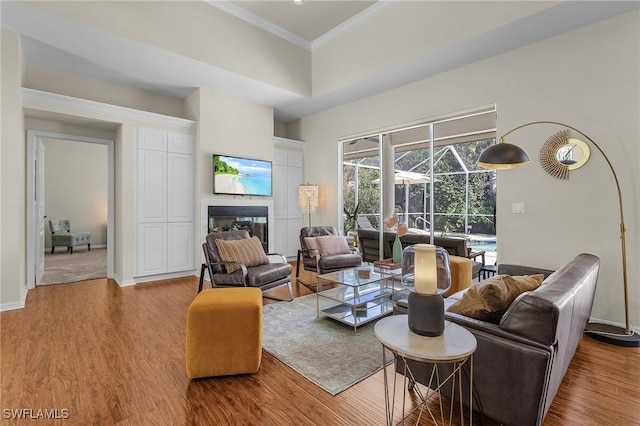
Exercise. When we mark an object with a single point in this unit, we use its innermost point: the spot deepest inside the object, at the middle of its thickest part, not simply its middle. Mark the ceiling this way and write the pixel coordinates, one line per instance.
(309, 20)
(306, 25)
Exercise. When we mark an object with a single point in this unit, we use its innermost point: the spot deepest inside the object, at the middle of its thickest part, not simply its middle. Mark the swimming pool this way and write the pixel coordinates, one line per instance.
(489, 245)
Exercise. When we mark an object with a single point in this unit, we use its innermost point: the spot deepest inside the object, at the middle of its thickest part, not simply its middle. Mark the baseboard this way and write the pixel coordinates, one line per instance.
(159, 277)
(11, 306)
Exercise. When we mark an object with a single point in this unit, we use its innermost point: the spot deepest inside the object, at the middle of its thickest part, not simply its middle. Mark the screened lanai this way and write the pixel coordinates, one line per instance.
(436, 189)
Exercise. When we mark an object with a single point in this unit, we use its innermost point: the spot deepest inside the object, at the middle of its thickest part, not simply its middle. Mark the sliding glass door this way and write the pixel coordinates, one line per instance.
(436, 189)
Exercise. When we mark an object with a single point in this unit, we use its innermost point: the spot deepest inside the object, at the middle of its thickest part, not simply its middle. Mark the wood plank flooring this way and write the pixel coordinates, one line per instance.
(115, 356)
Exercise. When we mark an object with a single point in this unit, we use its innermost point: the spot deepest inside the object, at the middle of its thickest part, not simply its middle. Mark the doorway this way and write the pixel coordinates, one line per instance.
(36, 185)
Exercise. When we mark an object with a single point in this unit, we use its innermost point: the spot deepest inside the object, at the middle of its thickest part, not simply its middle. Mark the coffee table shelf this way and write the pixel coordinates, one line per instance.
(356, 299)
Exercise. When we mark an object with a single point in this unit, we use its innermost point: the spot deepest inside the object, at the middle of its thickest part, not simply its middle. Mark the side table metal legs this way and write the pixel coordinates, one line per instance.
(435, 384)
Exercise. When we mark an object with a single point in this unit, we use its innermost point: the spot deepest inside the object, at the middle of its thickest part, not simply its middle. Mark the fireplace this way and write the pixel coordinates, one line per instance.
(250, 218)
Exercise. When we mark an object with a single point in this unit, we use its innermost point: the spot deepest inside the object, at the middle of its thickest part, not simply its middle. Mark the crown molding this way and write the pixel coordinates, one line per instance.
(268, 26)
(32, 98)
(352, 23)
(287, 35)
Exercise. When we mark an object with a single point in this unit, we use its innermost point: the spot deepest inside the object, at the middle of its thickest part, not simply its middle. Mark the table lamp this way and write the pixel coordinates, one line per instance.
(427, 275)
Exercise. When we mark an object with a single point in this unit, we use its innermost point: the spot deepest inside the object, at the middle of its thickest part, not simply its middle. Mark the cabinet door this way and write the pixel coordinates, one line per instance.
(293, 236)
(280, 190)
(180, 188)
(152, 248)
(281, 244)
(180, 143)
(180, 256)
(153, 139)
(152, 186)
(294, 180)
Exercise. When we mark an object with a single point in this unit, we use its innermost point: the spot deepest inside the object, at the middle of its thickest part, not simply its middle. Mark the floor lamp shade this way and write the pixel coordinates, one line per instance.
(308, 198)
(506, 156)
(502, 156)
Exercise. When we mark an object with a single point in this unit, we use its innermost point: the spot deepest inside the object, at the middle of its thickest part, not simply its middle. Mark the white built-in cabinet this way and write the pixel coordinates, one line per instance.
(287, 176)
(164, 197)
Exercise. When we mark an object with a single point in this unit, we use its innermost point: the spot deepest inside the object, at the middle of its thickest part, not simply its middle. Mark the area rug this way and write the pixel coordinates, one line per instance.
(82, 265)
(326, 352)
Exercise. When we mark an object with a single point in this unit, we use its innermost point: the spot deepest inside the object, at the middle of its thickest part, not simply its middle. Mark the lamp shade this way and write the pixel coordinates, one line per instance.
(426, 309)
(308, 197)
(502, 156)
(412, 265)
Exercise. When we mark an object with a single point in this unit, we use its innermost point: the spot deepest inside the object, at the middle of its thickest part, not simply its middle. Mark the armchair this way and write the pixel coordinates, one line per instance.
(234, 259)
(314, 260)
(61, 235)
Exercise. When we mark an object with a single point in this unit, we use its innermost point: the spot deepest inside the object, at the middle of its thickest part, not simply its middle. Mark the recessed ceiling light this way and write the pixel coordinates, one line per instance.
(298, 2)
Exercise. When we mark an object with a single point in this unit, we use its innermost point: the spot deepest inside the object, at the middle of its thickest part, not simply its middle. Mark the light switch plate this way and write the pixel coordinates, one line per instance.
(517, 207)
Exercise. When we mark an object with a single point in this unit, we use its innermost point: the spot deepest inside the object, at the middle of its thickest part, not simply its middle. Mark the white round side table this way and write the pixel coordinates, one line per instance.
(455, 346)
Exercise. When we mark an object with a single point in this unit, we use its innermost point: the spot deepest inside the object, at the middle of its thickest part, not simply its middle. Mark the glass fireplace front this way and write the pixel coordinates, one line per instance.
(250, 218)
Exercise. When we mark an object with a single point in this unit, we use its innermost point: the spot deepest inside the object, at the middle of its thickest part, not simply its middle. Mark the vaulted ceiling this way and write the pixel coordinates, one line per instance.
(354, 49)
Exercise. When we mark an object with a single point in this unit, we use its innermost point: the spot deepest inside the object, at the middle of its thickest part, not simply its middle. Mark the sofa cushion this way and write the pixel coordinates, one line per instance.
(489, 299)
(333, 244)
(248, 251)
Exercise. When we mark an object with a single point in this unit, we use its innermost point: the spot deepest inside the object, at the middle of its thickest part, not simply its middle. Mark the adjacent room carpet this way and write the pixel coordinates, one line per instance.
(82, 265)
(326, 352)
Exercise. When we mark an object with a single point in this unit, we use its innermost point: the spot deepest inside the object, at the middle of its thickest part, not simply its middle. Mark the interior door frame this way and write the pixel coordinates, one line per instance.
(33, 137)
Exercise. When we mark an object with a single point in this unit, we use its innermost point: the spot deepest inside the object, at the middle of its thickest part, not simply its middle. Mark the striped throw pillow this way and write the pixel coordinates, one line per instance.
(248, 251)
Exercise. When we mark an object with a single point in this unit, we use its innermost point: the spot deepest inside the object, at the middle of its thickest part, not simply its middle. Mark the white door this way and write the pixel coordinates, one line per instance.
(39, 194)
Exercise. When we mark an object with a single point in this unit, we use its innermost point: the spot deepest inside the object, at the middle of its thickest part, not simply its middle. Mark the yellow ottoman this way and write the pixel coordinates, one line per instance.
(224, 332)
(460, 274)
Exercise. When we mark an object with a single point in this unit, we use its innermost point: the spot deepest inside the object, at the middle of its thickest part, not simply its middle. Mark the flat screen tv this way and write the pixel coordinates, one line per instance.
(241, 176)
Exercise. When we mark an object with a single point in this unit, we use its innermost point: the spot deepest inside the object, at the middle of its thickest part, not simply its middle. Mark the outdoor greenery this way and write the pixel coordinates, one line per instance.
(222, 168)
(450, 205)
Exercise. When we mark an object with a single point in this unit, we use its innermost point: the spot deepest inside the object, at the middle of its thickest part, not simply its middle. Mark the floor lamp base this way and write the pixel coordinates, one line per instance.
(611, 334)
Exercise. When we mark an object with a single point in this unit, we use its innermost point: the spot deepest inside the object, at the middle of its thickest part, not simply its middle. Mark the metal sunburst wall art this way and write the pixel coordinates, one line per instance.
(560, 154)
(548, 159)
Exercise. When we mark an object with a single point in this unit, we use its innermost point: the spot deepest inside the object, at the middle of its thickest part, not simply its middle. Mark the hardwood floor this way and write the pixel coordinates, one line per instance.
(111, 355)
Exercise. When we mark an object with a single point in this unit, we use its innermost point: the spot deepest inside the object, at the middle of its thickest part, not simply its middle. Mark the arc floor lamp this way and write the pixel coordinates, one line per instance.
(502, 156)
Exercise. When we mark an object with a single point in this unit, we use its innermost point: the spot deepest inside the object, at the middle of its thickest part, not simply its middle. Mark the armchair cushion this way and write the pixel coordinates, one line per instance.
(333, 244)
(489, 299)
(247, 251)
(312, 245)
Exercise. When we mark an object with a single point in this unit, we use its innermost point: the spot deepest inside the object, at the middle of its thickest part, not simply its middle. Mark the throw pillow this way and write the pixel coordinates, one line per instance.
(248, 251)
(312, 245)
(333, 244)
(489, 299)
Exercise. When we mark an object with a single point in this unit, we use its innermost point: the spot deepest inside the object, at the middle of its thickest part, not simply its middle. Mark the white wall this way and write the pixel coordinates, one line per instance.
(76, 187)
(588, 78)
(406, 32)
(229, 126)
(13, 183)
(198, 31)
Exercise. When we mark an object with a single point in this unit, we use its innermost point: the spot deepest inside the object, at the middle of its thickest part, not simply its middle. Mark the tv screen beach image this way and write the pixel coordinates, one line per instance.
(242, 176)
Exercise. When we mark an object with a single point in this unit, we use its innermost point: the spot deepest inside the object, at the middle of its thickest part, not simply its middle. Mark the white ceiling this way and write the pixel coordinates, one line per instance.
(127, 61)
(309, 20)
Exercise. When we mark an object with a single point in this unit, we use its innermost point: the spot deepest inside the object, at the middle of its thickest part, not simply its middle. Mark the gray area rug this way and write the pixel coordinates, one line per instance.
(326, 352)
(62, 267)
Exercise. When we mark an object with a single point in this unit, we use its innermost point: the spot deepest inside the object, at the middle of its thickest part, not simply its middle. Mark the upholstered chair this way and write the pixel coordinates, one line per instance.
(61, 235)
(235, 259)
(322, 250)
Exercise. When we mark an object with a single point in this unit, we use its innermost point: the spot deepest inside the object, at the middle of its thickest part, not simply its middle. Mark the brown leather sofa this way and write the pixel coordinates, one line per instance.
(519, 363)
(368, 244)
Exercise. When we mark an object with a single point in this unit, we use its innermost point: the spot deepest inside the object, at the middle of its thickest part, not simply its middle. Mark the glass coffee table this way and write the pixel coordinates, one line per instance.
(357, 296)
